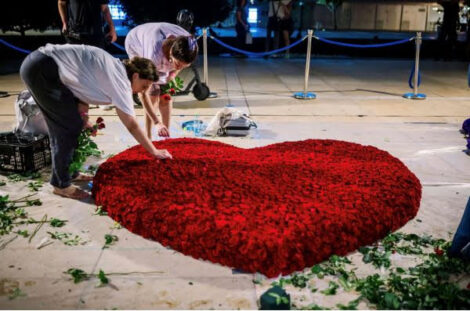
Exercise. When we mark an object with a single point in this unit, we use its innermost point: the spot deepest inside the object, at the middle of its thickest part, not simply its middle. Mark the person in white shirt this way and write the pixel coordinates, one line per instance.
(64, 80)
(172, 49)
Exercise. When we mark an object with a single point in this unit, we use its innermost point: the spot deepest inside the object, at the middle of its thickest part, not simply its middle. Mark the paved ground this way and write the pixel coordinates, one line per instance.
(358, 101)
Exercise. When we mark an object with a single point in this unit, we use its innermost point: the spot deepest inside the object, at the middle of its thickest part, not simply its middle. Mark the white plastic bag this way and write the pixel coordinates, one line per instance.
(29, 118)
(229, 122)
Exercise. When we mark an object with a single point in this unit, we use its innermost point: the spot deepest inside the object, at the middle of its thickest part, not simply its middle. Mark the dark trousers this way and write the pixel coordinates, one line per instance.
(447, 38)
(59, 106)
(241, 36)
(272, 29)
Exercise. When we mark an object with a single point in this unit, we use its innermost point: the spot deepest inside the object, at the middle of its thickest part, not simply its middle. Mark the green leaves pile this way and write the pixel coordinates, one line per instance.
(12, 212)
(432, 284)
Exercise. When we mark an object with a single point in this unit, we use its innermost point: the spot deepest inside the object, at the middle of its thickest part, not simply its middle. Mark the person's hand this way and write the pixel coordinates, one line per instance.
(111, 36)
(163, 154)
(162, 130)
(172, 75)
(64, 28)
(88, 126)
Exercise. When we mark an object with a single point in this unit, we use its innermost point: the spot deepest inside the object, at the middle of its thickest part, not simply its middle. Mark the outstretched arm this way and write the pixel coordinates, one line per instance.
(133, 127)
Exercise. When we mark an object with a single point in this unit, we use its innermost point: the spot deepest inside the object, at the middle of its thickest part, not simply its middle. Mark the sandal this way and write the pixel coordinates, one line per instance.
(71, 192)
(83, 177)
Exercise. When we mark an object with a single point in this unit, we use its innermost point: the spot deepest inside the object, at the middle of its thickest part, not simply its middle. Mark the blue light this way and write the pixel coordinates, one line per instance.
(253, 15)
(116, 12)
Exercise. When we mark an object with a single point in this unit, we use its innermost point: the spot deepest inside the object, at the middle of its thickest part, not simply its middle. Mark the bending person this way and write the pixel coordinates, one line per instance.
(171, 48)
(64, 80)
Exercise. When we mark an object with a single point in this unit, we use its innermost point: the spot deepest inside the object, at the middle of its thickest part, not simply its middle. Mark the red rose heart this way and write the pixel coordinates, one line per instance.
(274, 209)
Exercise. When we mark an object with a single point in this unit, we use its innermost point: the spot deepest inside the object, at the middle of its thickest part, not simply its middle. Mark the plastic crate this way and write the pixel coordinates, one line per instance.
(24, 152)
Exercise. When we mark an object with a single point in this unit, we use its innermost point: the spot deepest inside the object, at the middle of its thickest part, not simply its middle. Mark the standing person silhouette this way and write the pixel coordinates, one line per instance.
(447, 36)
(273, 25)
(242, 27)
(82, 22)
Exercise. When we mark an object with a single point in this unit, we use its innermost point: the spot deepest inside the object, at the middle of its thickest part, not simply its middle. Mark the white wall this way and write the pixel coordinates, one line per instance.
(435, 13)
(414, 17)
(363, 15)
(370, 15)
(388, 17)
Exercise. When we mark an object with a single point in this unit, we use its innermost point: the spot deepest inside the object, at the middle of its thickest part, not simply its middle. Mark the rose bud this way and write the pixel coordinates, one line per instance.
(172, 91)
(166, 97)
(101, 126)
(99, 120)
(439, 252)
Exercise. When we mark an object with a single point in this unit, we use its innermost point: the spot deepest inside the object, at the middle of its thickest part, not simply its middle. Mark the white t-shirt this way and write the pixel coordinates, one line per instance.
(93, 75)
(276, 4)
(146, 41)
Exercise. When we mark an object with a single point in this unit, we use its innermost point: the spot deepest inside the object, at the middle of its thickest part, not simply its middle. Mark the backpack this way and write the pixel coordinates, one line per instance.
(29, 118)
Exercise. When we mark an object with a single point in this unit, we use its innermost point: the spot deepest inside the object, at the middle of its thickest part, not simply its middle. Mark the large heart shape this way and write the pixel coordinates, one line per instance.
(274, 209)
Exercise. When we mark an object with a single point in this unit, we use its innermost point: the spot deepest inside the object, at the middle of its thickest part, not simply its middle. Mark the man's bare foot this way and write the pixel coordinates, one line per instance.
(83, 177)
(71, 192)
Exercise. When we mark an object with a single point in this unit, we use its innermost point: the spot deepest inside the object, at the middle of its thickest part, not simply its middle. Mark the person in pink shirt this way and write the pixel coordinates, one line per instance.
(171, 48)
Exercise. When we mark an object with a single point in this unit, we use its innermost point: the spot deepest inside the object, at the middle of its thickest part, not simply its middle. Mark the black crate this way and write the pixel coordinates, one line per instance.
(24, 152)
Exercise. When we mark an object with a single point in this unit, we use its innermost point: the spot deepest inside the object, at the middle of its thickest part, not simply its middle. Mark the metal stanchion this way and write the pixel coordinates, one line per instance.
(305, 94)
(415, 94)
(204, 47)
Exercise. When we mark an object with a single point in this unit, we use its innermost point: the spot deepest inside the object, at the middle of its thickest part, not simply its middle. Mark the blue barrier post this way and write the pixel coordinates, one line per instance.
(305, 94)
(415, 94)
(204, 47)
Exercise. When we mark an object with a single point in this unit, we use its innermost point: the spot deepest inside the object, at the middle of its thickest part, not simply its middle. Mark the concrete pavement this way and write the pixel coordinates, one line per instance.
(358, 101)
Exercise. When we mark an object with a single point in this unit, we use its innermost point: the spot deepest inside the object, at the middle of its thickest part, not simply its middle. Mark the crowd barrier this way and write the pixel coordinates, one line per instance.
(414, 80)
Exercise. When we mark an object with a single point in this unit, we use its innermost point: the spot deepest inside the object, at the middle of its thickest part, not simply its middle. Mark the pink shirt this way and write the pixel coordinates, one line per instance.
(146, 41)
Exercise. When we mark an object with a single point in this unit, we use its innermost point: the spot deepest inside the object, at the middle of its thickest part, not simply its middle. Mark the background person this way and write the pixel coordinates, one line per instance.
(286, 23)
(82, 22)
(64, 80)
(447, 36)
(273, 25)
(241, 26)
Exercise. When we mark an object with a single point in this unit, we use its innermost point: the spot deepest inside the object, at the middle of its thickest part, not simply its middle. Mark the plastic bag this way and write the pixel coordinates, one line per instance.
(230, 122)
(29, 118)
